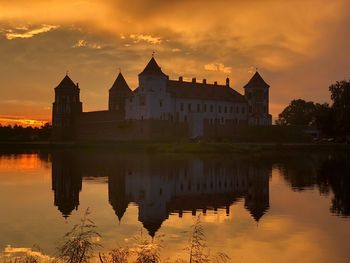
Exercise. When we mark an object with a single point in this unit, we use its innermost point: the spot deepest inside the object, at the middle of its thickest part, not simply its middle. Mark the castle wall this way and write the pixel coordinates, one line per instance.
(228, 129)
(107, 126)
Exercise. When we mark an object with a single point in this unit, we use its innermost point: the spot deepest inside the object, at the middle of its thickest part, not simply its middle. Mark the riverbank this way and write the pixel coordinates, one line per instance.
(174, 147)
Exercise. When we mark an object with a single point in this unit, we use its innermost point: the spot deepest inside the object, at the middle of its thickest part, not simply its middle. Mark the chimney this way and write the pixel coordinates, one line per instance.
(204, 81)
(180, 79)
(227, 82)
(193, 80)
(215, 83)
(77, 85)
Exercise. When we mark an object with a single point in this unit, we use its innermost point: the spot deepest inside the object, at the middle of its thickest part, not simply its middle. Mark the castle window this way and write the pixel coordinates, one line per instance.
(219, 109)
(231, 109)
(181, 107)
(205, 107)
(250, 109)
(243, 110)
(198, 107)
(189, 107)
(237, 109)
(211, 108)
(161, 103)
(225, 109)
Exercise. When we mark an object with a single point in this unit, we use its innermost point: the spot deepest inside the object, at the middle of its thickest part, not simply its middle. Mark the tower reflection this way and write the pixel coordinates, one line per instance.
(66, 182)
(162, 186)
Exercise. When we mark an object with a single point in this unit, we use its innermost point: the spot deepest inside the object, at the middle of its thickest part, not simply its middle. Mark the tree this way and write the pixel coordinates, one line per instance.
(297, 113)
(324, 118)
(340, 95)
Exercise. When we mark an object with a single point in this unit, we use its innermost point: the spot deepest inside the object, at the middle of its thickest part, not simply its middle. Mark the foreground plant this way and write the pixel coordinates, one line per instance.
(198, 250)
(78, 245)
(146, 250)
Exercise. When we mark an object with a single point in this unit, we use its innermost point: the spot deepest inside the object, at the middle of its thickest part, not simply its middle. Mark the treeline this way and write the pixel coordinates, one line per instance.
(331, 120)
(20, 133)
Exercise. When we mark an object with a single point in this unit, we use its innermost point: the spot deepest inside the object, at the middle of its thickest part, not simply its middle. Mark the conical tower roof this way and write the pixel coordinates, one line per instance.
(67, 83)
(257, 81)
(152, 69)
(120, 85)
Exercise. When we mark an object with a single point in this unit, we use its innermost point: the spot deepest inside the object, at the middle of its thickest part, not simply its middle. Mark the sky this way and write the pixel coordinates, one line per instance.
(300, 47)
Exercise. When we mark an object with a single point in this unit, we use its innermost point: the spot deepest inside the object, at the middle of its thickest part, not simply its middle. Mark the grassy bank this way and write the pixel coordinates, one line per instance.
(174, 147)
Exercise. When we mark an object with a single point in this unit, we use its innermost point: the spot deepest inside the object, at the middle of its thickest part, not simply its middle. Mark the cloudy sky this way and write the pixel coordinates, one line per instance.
(300, 47)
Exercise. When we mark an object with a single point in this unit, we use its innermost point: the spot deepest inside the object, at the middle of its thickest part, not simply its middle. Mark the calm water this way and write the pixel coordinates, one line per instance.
(285, 207)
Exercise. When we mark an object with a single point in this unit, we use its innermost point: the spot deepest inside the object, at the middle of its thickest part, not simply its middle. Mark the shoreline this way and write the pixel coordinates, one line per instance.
(174, 147)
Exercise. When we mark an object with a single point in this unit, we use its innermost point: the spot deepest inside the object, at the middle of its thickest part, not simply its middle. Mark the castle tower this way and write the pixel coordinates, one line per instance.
(152, 101)
(118, 93)
(256, 93)
(65, 109)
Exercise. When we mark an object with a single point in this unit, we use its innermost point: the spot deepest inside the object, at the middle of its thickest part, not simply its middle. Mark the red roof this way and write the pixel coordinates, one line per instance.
(120, 85)
(203, 91)
(66, 83)
(257, 81)
(152, 69)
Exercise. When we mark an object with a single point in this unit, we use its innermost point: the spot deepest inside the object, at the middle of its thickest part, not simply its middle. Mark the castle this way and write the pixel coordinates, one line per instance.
(160, 108)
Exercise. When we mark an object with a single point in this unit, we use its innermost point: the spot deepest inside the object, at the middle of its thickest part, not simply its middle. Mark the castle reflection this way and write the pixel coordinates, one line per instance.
(163, 186)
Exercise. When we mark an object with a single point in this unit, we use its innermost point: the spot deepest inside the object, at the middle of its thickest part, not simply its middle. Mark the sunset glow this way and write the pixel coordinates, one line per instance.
(300, 47)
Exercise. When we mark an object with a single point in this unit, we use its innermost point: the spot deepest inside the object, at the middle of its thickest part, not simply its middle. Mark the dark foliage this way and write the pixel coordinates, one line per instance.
(340, 95)
(18, 133)
(297, 113)
(331, 120)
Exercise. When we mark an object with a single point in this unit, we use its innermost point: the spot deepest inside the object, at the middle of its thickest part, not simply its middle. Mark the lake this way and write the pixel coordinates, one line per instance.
(265, 207)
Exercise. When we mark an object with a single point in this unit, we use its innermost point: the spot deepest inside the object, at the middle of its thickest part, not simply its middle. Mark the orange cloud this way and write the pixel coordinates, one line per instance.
(23, 32)
(218, 67)
(300, 47)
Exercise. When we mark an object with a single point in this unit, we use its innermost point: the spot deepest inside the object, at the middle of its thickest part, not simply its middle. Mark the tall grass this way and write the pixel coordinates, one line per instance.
(79, 246)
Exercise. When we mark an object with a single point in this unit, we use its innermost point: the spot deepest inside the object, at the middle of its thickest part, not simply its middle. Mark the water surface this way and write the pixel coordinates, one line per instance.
(283, 207)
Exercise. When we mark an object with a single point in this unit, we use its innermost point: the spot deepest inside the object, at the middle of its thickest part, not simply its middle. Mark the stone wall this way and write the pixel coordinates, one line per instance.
(107, 126)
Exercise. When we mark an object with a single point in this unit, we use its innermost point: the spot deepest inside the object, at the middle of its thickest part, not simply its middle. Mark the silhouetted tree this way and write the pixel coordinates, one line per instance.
(340, 95)
(324, 118)
(19, 133)
(297, 113)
